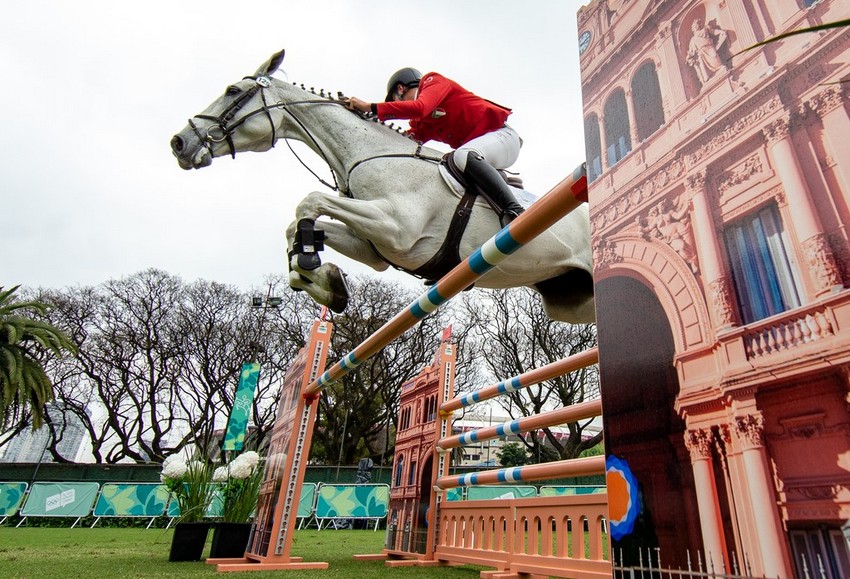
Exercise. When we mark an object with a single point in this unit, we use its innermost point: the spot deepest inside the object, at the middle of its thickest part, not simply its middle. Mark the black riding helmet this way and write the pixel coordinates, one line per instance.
(409, 77)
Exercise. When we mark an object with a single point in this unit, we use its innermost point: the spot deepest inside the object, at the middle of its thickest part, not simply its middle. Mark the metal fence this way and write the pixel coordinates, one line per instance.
(649, 566)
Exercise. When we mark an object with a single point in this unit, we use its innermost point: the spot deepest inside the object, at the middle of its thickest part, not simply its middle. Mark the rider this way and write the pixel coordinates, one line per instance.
(439, 109)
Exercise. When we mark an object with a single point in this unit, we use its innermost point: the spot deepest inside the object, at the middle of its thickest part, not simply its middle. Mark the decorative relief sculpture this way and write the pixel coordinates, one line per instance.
(750, 431)
(605, 254)
(720, 295)
(821, 262)
(743, 172)
(669, 222)
(698, 443)
(703, 50)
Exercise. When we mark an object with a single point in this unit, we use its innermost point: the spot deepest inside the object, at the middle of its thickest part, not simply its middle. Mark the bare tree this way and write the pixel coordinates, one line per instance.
(220, 331)
(121, 384)
(511, 335)
(159, 362)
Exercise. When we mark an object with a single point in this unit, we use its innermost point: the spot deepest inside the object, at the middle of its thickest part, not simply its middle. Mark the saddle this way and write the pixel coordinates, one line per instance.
(448, 256)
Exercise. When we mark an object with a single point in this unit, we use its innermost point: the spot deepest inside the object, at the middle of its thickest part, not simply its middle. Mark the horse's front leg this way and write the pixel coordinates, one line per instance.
(325, 283)
(372, 220)
(342, 240)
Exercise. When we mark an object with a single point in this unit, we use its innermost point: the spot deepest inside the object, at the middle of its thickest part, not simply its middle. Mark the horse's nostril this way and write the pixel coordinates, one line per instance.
(176, 144)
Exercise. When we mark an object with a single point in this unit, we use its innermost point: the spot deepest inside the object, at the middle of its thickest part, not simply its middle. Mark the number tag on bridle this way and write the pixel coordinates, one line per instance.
(264, 81)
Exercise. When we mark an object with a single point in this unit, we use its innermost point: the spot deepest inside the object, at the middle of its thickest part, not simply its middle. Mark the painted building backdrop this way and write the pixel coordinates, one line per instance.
(720, 204)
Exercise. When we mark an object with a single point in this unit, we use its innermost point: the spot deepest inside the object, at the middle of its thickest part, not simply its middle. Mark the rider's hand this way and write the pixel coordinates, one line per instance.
(355, 104)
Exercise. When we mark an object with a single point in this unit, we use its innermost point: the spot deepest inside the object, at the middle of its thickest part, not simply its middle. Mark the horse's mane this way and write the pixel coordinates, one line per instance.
(369, 118)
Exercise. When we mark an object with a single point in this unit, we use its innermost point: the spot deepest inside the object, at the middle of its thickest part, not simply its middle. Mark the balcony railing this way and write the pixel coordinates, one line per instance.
(798, 329)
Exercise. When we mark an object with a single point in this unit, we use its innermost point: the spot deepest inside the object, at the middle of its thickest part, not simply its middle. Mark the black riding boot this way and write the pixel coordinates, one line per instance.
(489, 179)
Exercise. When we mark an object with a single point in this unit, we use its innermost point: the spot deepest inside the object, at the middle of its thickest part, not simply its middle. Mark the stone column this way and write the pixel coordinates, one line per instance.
(669, 70)
(603, 142)
(836, 127)
(723, 443)
(698, 443)
(633, 132)
(741, 23)
(761, 492)
(817, 254)
(718, 286)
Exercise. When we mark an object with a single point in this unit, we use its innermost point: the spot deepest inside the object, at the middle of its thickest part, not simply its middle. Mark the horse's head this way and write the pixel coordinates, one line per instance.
(242, 119)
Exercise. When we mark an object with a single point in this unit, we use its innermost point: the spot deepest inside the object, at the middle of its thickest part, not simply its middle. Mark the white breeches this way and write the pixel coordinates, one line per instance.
(500, 148)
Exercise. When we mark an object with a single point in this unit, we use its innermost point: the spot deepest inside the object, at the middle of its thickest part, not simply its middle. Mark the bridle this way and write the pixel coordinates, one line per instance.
(222, 130)
(219, 131)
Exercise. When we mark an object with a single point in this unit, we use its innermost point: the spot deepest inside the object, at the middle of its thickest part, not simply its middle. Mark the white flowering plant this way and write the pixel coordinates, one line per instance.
(189, 483)
(240, 486)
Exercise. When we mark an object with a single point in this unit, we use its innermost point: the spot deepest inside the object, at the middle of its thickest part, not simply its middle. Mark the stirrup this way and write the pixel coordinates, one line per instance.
(508, 215)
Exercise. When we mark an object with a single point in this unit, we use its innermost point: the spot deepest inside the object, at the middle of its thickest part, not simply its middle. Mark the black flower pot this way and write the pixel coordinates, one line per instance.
(187, 544)
(230, 540)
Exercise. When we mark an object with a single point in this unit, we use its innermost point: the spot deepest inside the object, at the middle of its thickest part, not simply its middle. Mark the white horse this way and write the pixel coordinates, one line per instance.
(394, 207)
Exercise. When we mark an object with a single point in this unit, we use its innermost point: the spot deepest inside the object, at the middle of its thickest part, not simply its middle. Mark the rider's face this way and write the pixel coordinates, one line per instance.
(408, 94)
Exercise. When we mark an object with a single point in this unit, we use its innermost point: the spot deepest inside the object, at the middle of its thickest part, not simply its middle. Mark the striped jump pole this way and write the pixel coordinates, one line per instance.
(533, 472)
(572, 413)
(545, 212)
(547, 372)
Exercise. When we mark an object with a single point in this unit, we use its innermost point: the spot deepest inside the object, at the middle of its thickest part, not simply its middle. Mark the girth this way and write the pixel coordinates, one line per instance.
(447, 256)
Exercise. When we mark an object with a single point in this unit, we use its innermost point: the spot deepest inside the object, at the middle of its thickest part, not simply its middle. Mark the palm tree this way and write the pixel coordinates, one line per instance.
(24, 342)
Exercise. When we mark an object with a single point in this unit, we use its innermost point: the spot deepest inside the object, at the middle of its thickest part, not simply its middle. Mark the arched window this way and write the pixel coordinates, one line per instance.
(617, 139)
(646, 101)
(399, 470)
(592, 148)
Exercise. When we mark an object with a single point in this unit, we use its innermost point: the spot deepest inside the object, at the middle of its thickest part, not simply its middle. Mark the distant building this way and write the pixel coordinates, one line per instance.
(413, 465)
(32, 446)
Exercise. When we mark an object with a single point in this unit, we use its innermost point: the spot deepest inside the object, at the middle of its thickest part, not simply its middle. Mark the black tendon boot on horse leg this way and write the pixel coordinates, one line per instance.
(307, 245)
(491, 182)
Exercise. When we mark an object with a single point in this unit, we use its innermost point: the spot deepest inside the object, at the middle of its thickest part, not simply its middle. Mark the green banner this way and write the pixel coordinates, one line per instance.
(60, 499)
(237, 425)
(11, 497)
(358, 501)
(307, 500)
(488, 492)
(131, 500)
(552, 491)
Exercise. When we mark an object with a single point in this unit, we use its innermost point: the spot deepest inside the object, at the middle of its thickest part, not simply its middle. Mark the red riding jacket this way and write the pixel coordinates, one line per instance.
(446, 112)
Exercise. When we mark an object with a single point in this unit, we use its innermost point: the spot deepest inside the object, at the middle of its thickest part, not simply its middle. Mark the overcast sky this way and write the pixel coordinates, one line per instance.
(94, 90)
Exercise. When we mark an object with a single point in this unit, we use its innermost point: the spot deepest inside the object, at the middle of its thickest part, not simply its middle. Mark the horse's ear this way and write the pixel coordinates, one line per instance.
(271, 65)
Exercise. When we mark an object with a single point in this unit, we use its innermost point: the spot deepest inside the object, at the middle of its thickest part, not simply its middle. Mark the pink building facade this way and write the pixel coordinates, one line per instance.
(413, 464)
(720, 205)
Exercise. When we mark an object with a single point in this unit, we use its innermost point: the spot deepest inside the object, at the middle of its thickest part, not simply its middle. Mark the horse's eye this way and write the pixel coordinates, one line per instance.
(232, 90)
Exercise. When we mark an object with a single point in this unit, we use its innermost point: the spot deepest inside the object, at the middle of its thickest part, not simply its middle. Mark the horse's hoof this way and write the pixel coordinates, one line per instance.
(338, 289)
(338, 304)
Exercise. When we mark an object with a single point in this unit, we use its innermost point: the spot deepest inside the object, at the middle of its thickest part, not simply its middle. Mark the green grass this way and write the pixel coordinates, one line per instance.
(120, 552)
